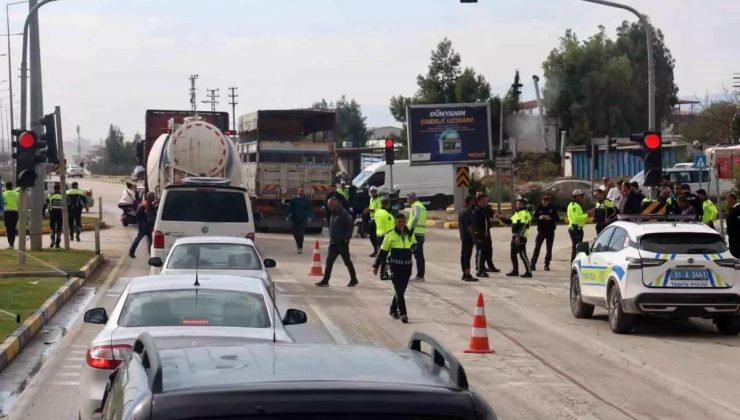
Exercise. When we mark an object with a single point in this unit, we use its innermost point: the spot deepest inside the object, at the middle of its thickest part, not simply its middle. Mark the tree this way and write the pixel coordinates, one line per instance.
(599, 86)
(712, 125)
(116, 157)
(351, 126)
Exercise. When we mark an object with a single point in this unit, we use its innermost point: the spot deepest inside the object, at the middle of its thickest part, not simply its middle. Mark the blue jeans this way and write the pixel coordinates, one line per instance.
(419, 255)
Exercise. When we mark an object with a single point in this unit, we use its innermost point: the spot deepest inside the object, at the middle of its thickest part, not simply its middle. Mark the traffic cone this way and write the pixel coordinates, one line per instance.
(315, 269)
(479, 336)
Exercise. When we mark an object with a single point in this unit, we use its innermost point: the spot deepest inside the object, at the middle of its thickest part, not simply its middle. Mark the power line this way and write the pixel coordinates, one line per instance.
(212, 98)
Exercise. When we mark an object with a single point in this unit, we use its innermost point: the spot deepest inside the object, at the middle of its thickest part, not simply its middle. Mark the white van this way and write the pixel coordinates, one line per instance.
(433, 184)
(201, 207)
(690, 176)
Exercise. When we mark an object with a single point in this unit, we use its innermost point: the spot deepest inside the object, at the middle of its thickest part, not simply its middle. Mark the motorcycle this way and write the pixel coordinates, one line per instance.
(128, 215)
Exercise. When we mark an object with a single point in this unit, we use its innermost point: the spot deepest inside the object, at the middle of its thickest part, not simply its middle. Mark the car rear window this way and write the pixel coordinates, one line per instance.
(205, 206)
(682, 243)
(194, 307)
(214, 256)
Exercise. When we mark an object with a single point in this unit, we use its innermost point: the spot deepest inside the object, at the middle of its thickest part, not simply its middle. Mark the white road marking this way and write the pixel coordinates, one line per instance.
(75, 359)
(330, 326)
(66, 383)
(79, 346)
(71, 366)
(68, 374)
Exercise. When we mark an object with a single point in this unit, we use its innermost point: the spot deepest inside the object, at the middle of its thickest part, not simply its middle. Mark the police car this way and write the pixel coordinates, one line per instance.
(671, 269)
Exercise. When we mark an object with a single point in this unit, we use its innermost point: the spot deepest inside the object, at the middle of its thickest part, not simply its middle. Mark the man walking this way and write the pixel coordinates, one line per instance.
(340, 233)
(519, 222)
(733, 224)
(54, 203)
(709, 210)
(77, 201)
(604, 211)
(547, 218)
(11, 204)
(373, 205)
(466, 224)
(397, 248)
(146, 215)
(383, 224)
(418, 226)
(299, 215)
(576, 221)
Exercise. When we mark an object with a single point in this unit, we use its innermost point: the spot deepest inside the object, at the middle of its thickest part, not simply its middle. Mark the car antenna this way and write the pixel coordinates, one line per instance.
(274, 315)
(197, 261)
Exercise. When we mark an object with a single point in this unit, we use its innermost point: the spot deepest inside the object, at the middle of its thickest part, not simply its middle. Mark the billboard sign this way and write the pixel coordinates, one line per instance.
(449, 133)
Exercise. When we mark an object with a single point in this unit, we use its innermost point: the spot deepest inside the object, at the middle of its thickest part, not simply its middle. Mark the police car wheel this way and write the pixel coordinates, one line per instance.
(577, 307)
(619, 322)
(728, 325)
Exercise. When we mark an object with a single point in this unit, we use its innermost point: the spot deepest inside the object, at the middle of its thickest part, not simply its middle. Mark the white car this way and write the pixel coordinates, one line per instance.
(75, 171)
(670, 269)
(179, 311)
(216, 255)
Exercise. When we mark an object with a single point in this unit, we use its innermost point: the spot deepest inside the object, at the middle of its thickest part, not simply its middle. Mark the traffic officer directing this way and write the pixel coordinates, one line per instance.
(519, 222)
(604, 211)
(576, 220)
(370, 211)
(710, 211)
(55, 203)
(11, 204)
(77, 201)
(547, 218)
(417, 226)
(397, 247)
(383, 225)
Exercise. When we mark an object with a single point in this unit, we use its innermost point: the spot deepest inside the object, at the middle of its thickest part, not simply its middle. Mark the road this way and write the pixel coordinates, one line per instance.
(547, 364)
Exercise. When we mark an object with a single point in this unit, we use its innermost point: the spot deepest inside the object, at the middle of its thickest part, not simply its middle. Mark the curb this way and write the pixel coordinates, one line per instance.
(22, 335)
(87, 227)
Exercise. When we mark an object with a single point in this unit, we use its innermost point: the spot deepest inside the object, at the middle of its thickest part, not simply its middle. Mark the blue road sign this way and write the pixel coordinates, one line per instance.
(700, 160)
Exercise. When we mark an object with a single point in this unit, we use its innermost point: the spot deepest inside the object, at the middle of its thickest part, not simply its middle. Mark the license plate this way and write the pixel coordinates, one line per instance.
(689, 275)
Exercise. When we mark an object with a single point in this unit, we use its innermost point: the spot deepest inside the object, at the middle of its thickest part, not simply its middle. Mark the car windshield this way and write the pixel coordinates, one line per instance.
(214, 256)
(195, 307)
(205, 206)
(682, 243)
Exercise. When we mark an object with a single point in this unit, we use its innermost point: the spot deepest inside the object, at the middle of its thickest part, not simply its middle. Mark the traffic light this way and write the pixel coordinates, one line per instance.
(516, 86)
(389, 152)
(47, 147)
(652, 155)
(25, 144)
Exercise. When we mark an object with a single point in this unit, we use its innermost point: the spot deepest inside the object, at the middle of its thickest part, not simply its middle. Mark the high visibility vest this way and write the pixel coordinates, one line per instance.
(576, 217)
(383, 222)
(603, 210)
(710, 212)
(374, 204)
(520, 223)
(419, 225)
(55, 201)
(343, 192)
(76, 198)
(11, 200)
(398, 245)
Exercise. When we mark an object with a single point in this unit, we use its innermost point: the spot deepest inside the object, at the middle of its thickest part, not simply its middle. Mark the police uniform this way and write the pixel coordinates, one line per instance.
(519, 222)
(55, 203)
(372, 207)
(710, 213)
(397, 247)
(576, 220)
(11, 200)
(77, 201)
(418, 225)
(604, 213)
(383, 224)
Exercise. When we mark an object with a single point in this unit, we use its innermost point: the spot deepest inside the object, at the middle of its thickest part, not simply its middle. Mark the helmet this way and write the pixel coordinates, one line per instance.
(577, 192)
(373, 188)
(521, 199)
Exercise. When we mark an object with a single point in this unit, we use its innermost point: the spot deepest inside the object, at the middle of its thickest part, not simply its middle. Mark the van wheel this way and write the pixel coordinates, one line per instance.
(577, 307)
(619, 322)
(728, 325)
(439, 202)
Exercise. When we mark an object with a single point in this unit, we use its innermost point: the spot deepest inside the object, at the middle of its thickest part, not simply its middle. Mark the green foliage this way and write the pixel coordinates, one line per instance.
(538, 166)
(599, 86)
(712, 125)
(116, 157)
(351, 124)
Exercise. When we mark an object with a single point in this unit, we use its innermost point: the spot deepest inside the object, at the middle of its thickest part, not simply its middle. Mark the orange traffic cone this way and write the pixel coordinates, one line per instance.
(479, 336)
(315, 269)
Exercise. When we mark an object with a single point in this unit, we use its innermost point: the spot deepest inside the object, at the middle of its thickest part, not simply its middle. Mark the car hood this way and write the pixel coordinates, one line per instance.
(177, 337)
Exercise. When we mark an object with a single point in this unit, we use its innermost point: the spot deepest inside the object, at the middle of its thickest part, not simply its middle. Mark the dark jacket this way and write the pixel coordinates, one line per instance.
(299, 210)
(546, 226)
(696, 204)
(631, 204)
(146, 215)
(733, 230)
(465, 221)
(341, 226)
(482, 223)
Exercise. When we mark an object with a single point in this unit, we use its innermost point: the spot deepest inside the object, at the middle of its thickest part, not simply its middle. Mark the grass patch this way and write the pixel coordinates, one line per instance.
(71, 260)
(45, 223)
(24, 296)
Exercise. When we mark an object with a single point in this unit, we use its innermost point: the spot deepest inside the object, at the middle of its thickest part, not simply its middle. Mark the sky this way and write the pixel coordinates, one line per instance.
(108, 61)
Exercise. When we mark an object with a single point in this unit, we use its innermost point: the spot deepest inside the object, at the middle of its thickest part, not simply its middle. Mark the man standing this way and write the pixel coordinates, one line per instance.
(684, 207)
(709, 210)
(418, 226)
(576, 221)
(344, 192)
(519, 222)
(733, 224)
(615, 194)
(77, 201)
(373, 206)
(466, 225)
(604, 211)
(604, 184)
(693, 200)
(482, 235)
(383, 224)
(146, 215)
(547, 218)
(11, 204)
(340, 233)
(54, 203)
(666, 204)
(299, 215)
(631, 200)
(397, 248)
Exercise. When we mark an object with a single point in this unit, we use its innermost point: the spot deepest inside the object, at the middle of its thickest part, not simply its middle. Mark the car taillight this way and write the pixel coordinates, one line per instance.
(729, 263)
(107, 357)
(249, 235)
(158, 240)
(644, 262)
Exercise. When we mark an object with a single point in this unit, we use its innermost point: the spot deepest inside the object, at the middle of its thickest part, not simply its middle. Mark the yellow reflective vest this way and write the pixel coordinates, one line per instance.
(710, 212)
(520, 223)
(576, 217)
(418, 218)
(374, 205)
(383, 222)
(11, 200)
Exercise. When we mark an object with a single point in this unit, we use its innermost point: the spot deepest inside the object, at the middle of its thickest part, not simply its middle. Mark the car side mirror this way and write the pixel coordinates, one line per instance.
(270, 263)
(583, 247)
(96, 316)
(155, 262)
(294, 317)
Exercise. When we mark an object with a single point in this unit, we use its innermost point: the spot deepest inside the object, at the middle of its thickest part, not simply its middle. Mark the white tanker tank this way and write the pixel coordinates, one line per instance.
(194, 148)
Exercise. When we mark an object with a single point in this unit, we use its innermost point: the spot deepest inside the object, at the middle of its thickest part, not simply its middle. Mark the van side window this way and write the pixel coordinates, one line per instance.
(377, 179)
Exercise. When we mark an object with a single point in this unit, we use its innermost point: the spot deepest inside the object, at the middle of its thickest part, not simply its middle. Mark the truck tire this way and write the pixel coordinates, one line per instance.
(439, 202)
(619, 322)
(728, 324)
(577, 307)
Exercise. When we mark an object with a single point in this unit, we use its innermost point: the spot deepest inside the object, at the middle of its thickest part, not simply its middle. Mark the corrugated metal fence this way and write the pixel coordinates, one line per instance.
(625, 162)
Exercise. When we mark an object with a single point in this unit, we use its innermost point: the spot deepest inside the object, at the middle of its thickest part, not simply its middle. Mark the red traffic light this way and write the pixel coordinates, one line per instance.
(652, 141)
(27, 140)
(388, 143)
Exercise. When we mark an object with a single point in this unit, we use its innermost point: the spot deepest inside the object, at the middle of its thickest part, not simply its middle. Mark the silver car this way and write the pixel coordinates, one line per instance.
(179, 311)
(233, 256)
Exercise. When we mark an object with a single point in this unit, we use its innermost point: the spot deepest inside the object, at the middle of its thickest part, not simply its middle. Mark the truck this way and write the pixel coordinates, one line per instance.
(282, 150)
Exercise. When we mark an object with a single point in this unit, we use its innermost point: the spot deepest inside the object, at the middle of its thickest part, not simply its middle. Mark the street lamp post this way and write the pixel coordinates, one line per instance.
(651, 63)
(10, 67)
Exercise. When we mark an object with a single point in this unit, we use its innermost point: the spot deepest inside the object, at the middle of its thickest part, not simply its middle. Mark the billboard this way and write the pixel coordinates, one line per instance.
(449, 133)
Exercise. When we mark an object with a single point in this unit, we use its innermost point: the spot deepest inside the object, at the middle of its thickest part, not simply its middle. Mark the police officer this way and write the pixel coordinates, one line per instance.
(466, 224)
(11, 203)
(397, 247)
(383, 225)
(54, 204)
(604, 211)
(77, 201)
(417, 226)
(373, 205)
(576, 221)
(547, 218)
(343, 191)
(709, 210)
(519, 222)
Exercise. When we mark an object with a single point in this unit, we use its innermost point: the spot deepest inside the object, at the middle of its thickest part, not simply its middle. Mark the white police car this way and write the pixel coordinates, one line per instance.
(670, 269)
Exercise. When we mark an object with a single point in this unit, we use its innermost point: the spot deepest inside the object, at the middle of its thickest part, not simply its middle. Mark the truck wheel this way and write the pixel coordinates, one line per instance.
(728, 324)
(619, 322)
(577, 307)
(439, 202)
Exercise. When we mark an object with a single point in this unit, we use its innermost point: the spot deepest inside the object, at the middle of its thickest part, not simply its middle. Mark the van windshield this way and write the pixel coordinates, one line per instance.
(205, 206)
(361, 178)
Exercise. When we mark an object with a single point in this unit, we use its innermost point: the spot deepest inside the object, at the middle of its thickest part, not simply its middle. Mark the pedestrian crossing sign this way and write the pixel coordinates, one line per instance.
(700, 160)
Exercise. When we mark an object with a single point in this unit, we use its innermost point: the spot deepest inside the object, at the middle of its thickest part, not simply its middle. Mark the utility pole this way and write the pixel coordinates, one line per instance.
(79, 145)
(233, 102)
(193, 101)
(212, 98)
